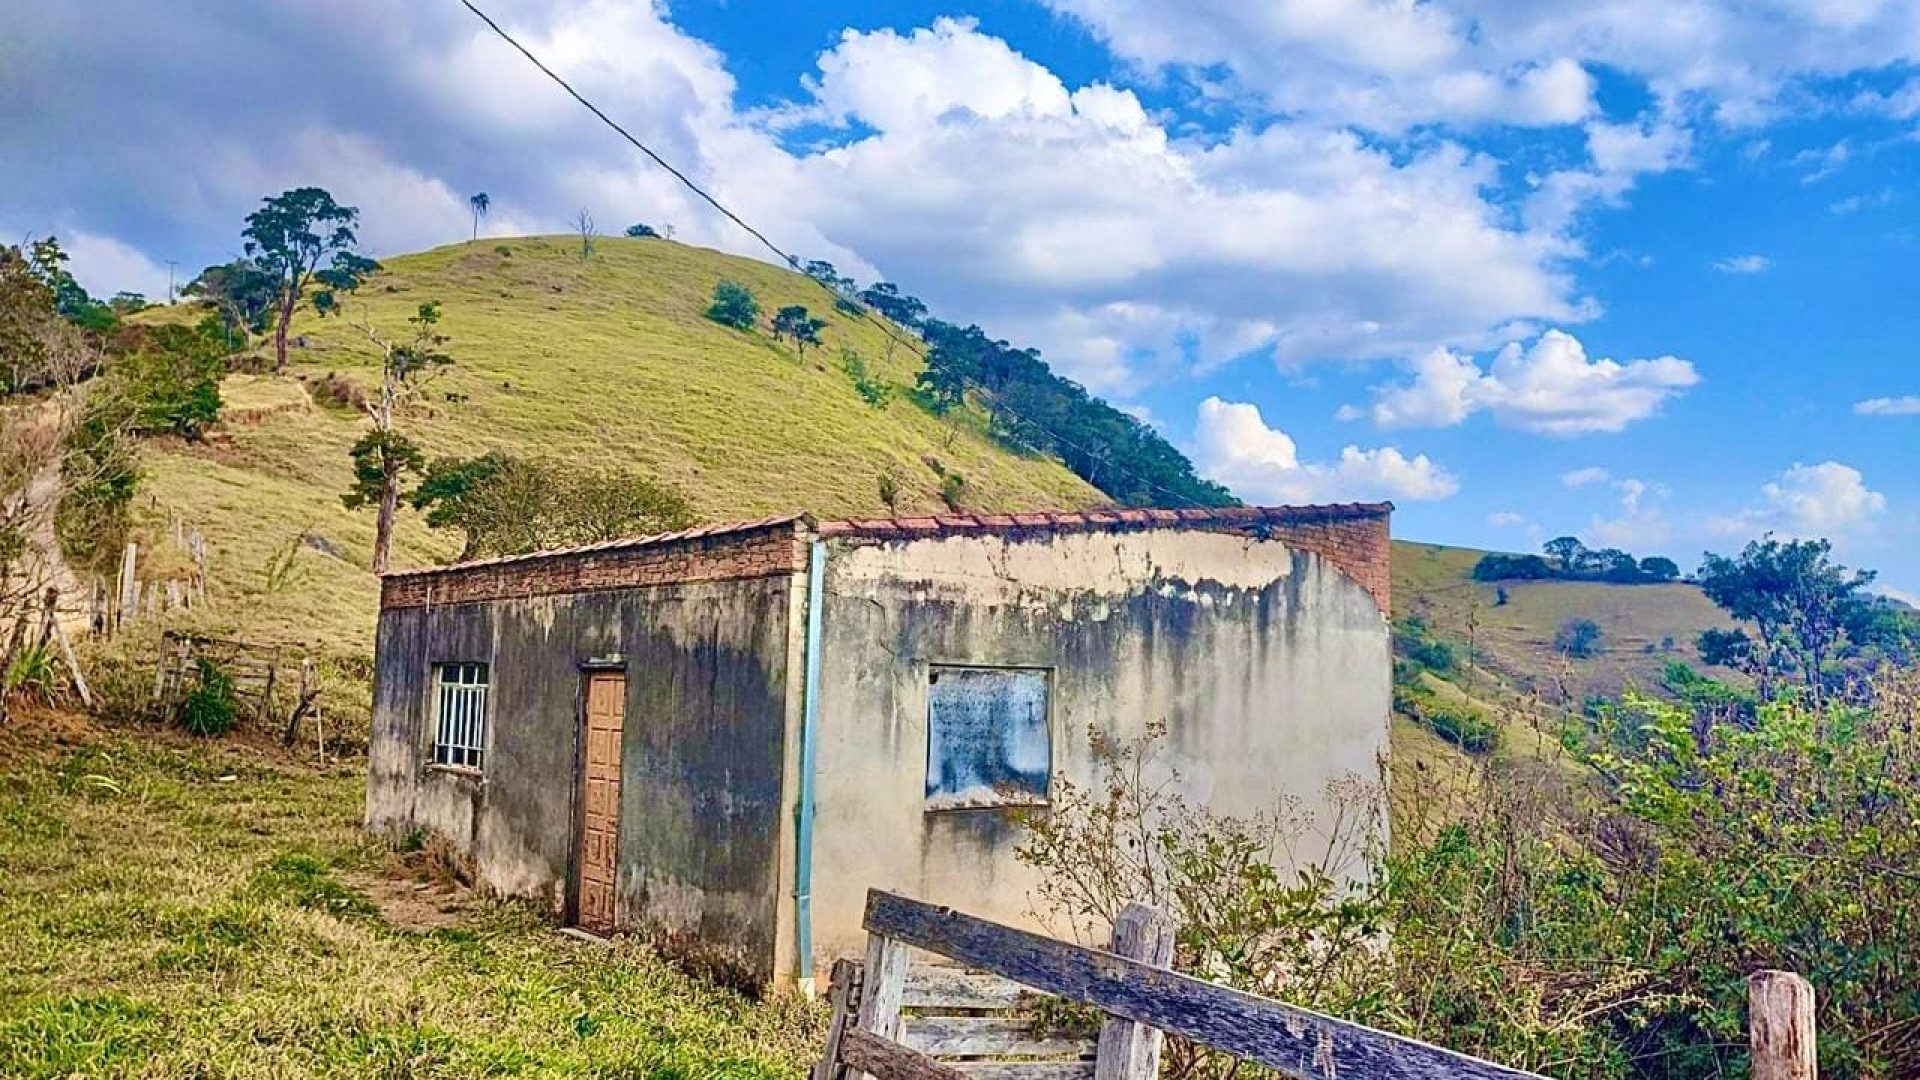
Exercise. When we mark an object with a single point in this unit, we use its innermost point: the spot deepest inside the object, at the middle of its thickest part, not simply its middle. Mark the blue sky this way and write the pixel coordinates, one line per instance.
(1640, 271)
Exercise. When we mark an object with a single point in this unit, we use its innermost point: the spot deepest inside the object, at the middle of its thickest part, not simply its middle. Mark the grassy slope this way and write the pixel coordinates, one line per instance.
(601, 361)
(1516, 640)
(175, 908)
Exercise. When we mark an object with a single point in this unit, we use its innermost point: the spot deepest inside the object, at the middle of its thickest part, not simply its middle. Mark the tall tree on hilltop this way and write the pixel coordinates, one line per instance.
(384, 456)
(480, 203)
(1799, 600)
(288, 237)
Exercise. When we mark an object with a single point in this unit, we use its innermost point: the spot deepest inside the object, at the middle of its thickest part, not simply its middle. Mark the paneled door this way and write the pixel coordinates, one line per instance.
(598, 860)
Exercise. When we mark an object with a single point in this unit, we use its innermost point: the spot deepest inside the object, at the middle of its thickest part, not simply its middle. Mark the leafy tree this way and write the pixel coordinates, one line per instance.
(1659, 568)
(890, 491)
(479, 203)
(384, 457)
(1495, 566)
(734, 305)
(871, 390)
(288, 237)
(1798, 600)
(886, 298)
(1578, 638)
(510, 506)
(642, 231)
(1567, 551)
(447, 491)
(170, 379)
(242, 292)
(794, 322)
(382, 460)
(1725, 648)
(127, 303)
(26, 312)
(70, 300)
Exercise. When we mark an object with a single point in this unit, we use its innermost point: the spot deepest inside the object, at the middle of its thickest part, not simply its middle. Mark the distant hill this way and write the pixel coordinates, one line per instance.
(1642, 627)
(607, 360)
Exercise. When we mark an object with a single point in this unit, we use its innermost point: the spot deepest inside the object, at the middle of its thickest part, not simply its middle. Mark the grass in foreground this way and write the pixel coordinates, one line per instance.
(181, 909)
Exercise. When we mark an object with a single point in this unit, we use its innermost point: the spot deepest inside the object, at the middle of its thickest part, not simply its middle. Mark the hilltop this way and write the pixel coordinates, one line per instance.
(606, 360)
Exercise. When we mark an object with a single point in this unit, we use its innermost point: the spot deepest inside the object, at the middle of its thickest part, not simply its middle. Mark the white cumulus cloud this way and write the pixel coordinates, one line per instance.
(1744, 264)
(1234, 445)
(1829, 499)
(1578, 478)
(1550, 387)
(1908, 405)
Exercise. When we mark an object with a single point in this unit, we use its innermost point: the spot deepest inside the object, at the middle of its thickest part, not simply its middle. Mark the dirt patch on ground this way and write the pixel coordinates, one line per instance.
(417, 893)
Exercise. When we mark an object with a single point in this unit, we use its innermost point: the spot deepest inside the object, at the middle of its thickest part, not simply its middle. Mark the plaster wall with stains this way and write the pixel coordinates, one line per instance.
(703, 750)
(1268, 664)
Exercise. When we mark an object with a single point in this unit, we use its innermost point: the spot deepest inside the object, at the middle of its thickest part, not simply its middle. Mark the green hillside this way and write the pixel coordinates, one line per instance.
(606, 360)
(1642, 627)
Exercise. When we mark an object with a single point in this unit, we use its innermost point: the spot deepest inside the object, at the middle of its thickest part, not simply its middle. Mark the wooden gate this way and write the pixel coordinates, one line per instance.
(1130, 983)
(598, 860)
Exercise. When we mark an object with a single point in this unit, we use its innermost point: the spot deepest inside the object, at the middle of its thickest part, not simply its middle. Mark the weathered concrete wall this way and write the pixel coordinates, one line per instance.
(704, 749)
(1270, 667)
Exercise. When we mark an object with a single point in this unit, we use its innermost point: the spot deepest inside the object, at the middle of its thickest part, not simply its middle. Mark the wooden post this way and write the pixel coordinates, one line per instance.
(73, 665)
(129, 588)
(1128, 1050)
(1780, 1026)
(884, 987)
(843, 992)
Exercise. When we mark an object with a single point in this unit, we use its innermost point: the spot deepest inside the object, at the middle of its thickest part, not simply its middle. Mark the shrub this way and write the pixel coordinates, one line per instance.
(1578, 638)
(210, 708)
(953, 487)
(734, 305)
(1415, 640)
(1461, 724)
(642, 231)
(890, 491)
(871, 390)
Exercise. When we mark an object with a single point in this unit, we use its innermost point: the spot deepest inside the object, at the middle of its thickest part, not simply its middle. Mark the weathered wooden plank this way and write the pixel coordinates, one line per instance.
(1780, 1024)
(1295, 1041)
(885, 1059)
(883, 984)
(1026, 1070)
(981, 1036)
(842, 985)
(933, 986)
(1129, 1050)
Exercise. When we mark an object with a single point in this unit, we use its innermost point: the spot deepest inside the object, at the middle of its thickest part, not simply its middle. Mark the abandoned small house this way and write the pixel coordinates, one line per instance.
(724, 736)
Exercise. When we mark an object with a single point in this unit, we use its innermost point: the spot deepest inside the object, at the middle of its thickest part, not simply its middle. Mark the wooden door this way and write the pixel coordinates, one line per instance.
(598, 860)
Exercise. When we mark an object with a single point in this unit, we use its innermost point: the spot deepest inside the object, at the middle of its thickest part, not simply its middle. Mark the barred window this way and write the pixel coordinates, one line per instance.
(461, 714)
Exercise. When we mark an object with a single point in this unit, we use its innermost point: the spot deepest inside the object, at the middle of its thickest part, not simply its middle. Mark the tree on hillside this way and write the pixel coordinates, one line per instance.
(70, 300)
(1659, 568)
(794, 322)
(243, 294)
(383, 457)
(1567, 551)
(509, 506)
(480, 203)
(288, 237)
(1798, 600)
(1578, 638)
(886, 298)
(583, 224)
(734, 305)
(640, 230)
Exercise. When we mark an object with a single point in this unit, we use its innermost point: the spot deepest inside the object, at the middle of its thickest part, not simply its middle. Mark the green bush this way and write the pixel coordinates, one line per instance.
(210, 708)
(1462, 725)
(734, 305)
(1416, 641)
(1578, 638)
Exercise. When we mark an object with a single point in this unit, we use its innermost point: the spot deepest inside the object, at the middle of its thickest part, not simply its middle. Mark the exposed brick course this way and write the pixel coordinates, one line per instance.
(758, 549)
(1354, 537)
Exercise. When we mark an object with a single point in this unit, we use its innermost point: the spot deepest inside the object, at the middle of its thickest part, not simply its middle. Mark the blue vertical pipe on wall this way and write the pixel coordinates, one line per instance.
(809, 740)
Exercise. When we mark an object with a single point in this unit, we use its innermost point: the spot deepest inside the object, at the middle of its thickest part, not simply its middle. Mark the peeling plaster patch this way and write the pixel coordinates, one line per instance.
(1034, 572)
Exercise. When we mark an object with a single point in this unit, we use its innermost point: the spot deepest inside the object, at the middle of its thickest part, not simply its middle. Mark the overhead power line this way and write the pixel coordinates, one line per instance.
(793, 262)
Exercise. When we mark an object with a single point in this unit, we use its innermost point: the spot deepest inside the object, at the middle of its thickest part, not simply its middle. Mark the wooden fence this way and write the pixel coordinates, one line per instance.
(271, 682)
(873, 1034)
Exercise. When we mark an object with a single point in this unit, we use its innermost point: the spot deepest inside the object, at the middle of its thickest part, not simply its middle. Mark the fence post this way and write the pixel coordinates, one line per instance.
(129, 586)
(1129, 1050)
(1780, 1026)
(883, 987)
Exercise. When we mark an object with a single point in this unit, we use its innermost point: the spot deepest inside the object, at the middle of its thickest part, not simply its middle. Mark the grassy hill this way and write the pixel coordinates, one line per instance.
(1641, 626)
(606, 360)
